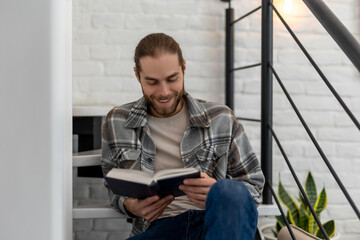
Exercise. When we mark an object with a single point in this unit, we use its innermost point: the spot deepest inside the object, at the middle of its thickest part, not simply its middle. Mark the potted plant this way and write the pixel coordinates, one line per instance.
(298, 213)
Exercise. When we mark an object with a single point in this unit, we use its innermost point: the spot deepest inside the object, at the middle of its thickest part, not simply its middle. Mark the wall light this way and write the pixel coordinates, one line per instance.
(287, 6)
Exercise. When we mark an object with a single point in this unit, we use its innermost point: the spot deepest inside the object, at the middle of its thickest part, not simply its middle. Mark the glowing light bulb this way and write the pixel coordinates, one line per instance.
(287, 6)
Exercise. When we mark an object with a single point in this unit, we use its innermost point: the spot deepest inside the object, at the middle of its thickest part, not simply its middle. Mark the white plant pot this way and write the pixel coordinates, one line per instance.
(267, 233)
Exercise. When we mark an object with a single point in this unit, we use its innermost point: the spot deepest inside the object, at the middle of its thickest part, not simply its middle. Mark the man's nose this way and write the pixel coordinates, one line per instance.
(164, 90)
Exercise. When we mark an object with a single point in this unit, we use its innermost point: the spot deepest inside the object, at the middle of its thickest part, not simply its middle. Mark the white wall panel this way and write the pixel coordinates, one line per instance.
(35, 123)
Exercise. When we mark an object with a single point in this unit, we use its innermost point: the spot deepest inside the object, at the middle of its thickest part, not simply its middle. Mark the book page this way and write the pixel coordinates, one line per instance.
(169, 173)
(130, 175)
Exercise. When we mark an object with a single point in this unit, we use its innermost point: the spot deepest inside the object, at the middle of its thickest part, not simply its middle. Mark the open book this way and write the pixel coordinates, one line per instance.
(139, 184)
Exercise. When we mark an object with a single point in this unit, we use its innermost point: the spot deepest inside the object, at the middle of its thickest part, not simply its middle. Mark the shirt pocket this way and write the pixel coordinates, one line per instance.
(129, 158)
(212, 160)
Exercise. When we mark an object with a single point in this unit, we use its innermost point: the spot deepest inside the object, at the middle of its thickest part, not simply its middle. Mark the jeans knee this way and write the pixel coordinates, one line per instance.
(230, 211)
(230, 191)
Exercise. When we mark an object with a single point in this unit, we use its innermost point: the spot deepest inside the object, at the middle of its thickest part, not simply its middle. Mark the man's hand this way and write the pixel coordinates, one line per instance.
(197, 189)
(149, 208)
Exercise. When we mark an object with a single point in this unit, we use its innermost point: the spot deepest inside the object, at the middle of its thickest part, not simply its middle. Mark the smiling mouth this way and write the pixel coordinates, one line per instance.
(164, 101)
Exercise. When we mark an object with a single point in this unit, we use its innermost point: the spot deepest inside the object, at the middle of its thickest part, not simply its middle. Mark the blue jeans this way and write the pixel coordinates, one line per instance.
(230, 214)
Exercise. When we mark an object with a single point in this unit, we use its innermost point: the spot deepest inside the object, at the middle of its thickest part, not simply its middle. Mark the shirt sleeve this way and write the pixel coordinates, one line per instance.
(109, 160)
(243, 165)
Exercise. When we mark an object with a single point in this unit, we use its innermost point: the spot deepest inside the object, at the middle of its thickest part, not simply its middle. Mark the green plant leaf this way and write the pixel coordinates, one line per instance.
(290, 203)
(289, 218)
(278, 225)
(329, 227)
(299, 214)
(303, 219)
(302, 202)
(319, 206)
(321, 202)
(275, 233)
(310, 189)
(311, 224)
(280, 220)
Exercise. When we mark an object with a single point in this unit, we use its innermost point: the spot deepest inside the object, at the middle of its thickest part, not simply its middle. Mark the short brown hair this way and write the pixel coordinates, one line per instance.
(154, 45)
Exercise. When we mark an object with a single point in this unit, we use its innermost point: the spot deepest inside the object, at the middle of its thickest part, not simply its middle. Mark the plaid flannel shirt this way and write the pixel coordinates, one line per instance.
(214, 142)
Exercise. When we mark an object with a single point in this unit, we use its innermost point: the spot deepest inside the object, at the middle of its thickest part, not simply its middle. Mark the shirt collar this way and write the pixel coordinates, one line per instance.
(198, 116)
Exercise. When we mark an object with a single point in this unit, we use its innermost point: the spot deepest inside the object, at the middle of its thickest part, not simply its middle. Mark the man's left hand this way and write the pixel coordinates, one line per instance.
(197, 189)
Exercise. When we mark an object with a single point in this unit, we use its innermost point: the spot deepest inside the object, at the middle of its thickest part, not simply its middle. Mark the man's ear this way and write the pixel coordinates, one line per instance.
(137, 74)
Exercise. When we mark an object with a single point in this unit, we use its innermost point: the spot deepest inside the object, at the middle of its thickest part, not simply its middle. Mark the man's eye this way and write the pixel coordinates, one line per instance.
(173, 79)
(151, 82)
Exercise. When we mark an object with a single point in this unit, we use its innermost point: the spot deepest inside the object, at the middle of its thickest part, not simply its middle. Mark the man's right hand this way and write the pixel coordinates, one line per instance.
(149, 208)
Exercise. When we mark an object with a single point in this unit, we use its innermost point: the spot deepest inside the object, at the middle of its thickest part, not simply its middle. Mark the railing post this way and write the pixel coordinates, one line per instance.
(266, 96)
(229, 62)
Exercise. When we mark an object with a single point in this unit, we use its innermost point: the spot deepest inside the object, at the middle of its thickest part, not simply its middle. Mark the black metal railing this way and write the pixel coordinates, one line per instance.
(346, 42)
(266, 100)
(316, 67)
(266, 95)
(336, 30)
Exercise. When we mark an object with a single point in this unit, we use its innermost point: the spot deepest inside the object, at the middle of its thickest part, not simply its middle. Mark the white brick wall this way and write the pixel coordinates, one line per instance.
(106, 32)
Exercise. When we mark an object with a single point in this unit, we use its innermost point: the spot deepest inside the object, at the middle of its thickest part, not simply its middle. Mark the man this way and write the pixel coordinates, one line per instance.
(167, 128)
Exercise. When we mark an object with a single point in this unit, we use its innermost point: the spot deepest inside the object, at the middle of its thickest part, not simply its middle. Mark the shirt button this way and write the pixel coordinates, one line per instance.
(187, 160)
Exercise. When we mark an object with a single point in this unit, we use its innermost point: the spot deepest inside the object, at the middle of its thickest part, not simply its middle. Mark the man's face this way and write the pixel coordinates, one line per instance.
(162, 83)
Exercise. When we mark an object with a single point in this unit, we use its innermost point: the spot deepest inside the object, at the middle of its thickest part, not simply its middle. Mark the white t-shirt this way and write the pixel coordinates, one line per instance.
(167, 134)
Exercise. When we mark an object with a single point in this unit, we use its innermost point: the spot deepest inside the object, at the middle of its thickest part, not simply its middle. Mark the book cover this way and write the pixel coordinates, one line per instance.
(138, 184)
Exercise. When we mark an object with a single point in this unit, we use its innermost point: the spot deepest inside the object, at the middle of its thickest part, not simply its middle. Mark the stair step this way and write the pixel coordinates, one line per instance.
(87, 158)
(96, 211)
(106, 211)
(268, 210)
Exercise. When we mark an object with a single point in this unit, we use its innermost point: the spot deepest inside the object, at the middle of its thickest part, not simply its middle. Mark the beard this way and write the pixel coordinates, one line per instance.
(165, 111)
